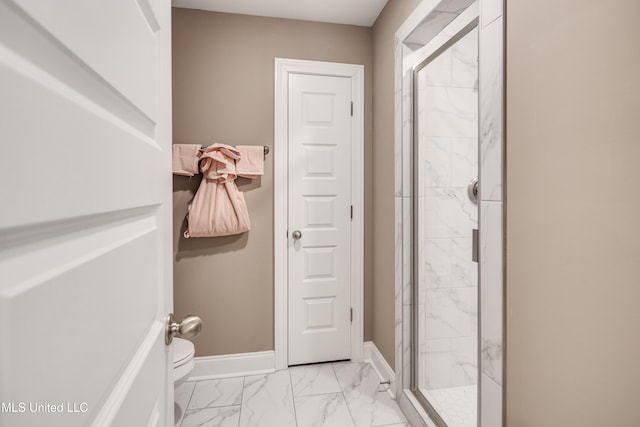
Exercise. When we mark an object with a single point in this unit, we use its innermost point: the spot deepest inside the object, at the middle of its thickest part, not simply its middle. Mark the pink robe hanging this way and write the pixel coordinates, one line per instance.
(218, 208)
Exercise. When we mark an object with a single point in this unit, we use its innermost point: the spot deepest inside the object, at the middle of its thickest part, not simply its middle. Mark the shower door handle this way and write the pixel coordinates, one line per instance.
(472, 190)
(474, 245)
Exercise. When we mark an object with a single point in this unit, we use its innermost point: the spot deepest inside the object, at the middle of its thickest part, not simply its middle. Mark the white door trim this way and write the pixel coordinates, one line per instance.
(284, 67)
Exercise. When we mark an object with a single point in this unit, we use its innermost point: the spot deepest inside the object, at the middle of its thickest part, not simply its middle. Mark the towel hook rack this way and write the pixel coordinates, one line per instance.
(266, 149)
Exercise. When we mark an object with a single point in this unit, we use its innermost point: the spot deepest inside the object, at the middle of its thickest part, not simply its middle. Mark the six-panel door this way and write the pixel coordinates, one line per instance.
(320, 134)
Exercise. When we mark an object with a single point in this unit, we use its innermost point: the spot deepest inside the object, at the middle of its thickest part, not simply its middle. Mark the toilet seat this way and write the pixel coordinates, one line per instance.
(183, 352)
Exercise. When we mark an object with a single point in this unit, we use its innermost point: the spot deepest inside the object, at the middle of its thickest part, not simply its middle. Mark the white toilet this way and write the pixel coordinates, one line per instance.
(183, 352)
(183, 363)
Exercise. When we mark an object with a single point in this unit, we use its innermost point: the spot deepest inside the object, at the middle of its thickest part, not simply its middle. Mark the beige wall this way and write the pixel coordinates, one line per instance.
(223, 85)
(391, 17)
(573, 213)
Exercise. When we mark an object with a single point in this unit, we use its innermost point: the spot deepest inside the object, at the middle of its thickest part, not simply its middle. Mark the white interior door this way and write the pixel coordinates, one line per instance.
(85, 190)
(320, 135)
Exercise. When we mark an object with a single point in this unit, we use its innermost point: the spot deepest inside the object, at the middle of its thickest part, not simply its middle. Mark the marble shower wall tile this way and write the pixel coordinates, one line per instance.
(399, 361)
(453, 114)
(451, 313)
(421, 248)
(423, 337)
(267, 400)
(491, 75)
(464, 61)
(406, 344)
(435, 157)
(491, 293)
(399, 243)
(464, 272)
(437, 264)
(449, 213)
(437, 72)
(419, 55)
(451, 362)
(490, 402)
(400, 292)
(436, 360)
(464, 161)
(407, 249)
(491, 227)
(464, 361)
(408, 61)
(397, 146)
(490, 10)
(438, 365)
(397, 71)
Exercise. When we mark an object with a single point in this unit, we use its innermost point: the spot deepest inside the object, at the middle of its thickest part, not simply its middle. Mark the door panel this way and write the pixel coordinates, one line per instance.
(59, 153)
(126, 58)
(85, 182)
(319, 205)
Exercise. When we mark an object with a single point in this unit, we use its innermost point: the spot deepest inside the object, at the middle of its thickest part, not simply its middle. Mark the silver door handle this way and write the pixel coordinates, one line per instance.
(189, 328)
(475, 250)
(297, 235)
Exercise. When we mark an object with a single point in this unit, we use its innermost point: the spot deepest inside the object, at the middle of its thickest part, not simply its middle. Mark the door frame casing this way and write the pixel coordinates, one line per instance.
(284, 67)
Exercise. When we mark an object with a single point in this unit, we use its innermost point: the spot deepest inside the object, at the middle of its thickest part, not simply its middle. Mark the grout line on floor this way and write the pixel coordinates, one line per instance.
(186, 408)
(318, 394)
(293, 399)
(244, 381)
(353, 420)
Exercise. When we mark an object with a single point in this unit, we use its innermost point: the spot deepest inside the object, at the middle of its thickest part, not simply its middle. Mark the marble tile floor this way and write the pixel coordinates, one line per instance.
(341, 394)
(458, 406)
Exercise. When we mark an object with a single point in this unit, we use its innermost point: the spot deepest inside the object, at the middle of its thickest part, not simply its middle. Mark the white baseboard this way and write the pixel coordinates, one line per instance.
(382, 368)
(233, 365)
(263, 362)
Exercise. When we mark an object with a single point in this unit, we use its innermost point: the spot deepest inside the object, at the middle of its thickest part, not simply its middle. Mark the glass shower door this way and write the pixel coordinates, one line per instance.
(445, 320)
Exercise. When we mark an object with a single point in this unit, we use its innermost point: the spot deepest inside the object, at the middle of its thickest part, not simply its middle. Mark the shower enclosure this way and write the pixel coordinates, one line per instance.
(449, 131)
(445, 215)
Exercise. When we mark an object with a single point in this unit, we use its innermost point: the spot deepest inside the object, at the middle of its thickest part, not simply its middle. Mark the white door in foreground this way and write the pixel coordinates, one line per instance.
(85, 190)
(320, 135)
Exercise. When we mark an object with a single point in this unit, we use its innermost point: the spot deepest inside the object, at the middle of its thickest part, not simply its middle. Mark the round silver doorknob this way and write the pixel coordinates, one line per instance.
(189, 328)
(296, 235)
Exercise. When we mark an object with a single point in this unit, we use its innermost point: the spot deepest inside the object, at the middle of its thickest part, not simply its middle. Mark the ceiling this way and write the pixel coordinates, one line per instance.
(352, 12)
